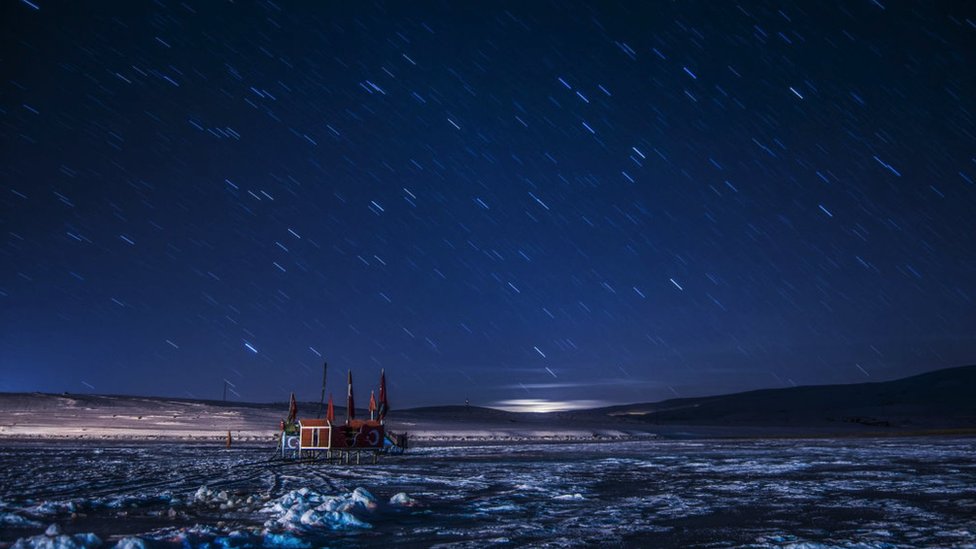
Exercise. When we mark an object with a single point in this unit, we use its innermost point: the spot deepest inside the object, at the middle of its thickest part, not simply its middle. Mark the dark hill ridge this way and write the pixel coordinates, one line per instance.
(943, 398)
(935, 402)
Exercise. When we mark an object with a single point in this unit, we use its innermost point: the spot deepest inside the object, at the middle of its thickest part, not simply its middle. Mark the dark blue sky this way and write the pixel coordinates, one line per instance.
(559, 202)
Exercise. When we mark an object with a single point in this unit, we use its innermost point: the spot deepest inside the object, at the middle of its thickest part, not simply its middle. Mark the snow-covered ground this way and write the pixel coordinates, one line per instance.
(113, 418)
(101, 417)
(773, 493)
(35, 416)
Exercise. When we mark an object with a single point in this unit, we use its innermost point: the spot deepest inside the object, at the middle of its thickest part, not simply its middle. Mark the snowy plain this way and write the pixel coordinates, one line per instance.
(905, 492)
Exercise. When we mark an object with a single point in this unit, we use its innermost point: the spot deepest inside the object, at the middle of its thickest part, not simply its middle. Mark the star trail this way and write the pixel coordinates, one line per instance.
(550, 202)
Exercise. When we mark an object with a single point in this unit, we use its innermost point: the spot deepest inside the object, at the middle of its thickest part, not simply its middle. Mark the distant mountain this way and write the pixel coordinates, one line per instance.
(943, 398)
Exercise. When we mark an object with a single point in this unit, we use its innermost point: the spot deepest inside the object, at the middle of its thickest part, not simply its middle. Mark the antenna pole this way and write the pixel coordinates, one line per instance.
(325, 368)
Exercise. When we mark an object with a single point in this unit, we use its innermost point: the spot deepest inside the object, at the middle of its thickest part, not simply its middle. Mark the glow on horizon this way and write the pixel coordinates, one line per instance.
(541, 406)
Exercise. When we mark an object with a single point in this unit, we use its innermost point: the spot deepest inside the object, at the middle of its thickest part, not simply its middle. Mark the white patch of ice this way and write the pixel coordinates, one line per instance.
(130, 543)
(203, 495)
(52, 538)
(403, 500)
(13, 519)
(284, 540)
(47, 508)
(304, 509)
(502, 508)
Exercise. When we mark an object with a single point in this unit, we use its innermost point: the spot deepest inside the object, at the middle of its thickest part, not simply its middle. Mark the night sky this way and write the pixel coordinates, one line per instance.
(556, 201)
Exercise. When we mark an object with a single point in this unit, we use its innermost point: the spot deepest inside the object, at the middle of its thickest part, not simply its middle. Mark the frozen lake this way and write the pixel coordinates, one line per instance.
(863, 492)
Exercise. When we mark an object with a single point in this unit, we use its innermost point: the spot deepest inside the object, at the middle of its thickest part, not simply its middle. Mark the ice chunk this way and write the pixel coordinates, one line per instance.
(362, 495)
(202, 495)
(53, 508)
(197, 535)
(331, 519)
(87, 540)
(404, 500)
(130, 543)
(306, 509)
(13, 519)
(284, 540)
(53, 539)
(348, 519)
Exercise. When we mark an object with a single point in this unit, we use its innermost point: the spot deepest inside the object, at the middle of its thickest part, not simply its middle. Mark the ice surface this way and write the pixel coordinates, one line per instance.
(817, 493)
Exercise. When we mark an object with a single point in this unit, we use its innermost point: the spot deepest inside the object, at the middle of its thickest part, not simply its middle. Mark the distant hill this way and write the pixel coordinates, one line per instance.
(928, 403)
(943, 398)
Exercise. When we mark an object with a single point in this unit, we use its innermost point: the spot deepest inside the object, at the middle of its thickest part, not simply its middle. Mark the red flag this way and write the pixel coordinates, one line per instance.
(292, 409)
(350, 406)
(372, 402)
(384, 405)
(330, 411)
